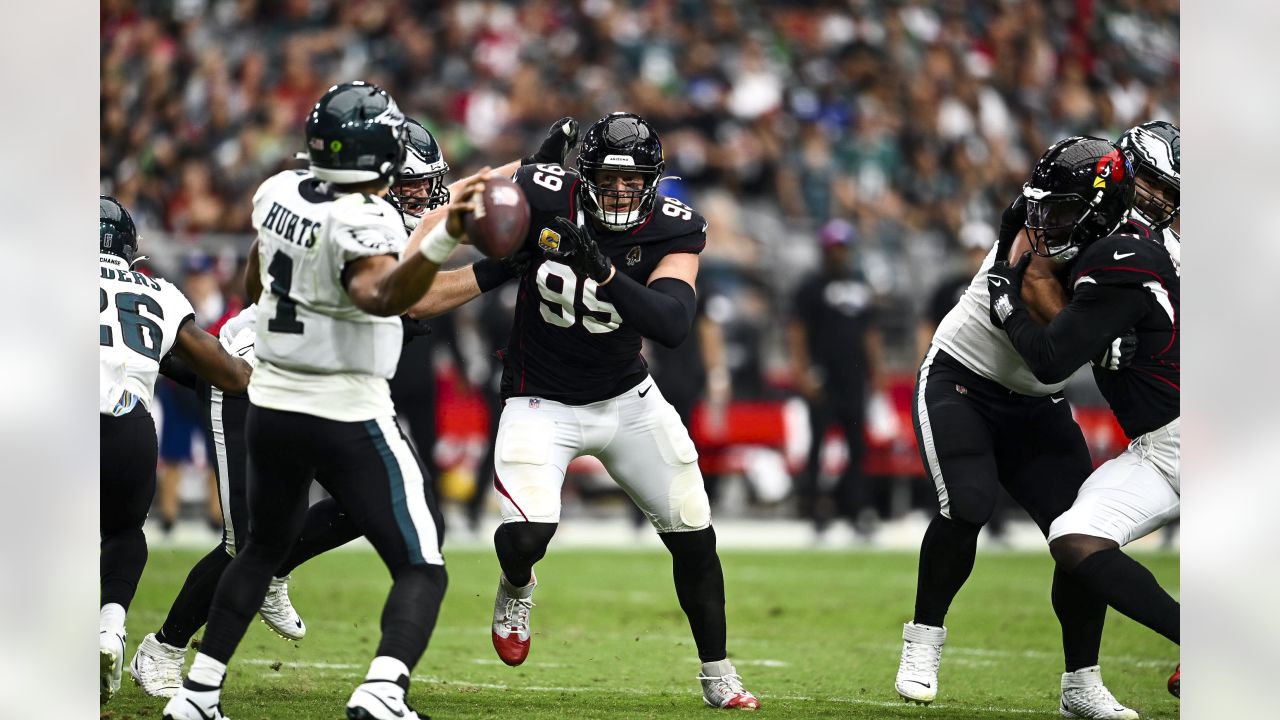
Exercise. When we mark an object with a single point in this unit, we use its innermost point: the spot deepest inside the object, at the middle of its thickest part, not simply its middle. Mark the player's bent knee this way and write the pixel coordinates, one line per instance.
(970, 508)
(690, 508)
(1072, 549)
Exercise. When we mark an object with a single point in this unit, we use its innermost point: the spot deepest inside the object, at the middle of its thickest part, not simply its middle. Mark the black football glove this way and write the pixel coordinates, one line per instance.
(1012, 222)
(1004, 283)
(578, 250)
(413, 328)
(1119, 354)
(560, 140)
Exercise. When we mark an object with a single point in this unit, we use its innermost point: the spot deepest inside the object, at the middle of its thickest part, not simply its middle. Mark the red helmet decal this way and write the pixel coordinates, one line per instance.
(1112, 165)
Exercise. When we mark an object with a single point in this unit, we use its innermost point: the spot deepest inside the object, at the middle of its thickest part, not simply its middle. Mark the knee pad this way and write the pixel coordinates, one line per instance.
(970, 507)
(688, 498)
(674, 443)
(521, 467)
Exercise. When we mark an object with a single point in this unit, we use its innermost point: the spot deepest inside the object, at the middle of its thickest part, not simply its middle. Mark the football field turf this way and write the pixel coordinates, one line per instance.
(813, 634)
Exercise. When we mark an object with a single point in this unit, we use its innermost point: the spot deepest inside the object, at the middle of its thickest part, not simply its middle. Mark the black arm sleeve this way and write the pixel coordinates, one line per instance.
(662, 310)
(172, 367)
(491, 273)
(1096, 315)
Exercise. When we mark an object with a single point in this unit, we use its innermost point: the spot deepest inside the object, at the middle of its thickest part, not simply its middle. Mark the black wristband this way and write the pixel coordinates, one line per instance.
(490, 273)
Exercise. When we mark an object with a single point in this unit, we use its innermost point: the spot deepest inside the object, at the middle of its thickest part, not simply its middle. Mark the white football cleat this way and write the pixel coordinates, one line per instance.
(381, 700)
(195, 705)
(510, 630)
(722, 688)
(1084, 696)
(917, 680)
(278, 613)
(110, 662)
(157, 667)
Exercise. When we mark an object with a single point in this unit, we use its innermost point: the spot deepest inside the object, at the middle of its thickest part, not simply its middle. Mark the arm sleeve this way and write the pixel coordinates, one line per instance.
(1097, 315)
(490, 273)
(662, 310)
(178, 371)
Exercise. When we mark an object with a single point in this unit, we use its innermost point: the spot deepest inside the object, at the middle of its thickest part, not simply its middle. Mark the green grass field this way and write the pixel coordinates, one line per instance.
(814, 635)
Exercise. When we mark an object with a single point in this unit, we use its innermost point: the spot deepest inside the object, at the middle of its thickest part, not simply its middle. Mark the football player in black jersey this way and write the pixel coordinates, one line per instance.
(1119, 277)
(610, 261)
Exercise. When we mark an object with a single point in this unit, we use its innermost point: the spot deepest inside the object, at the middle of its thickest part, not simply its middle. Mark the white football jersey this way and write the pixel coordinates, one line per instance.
(138, 321)
(967, 335)
(317, 352)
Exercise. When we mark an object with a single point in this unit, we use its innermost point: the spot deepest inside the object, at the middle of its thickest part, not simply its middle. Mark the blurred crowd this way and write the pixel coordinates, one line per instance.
(909, 123)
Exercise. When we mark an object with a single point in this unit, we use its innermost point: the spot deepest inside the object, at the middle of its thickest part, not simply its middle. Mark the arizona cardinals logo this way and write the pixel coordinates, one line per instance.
(1112, 165)
(633, 256)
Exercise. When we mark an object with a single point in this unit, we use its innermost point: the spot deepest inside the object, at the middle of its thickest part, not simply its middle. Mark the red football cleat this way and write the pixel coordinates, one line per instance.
(722, 688)
(510, 629)
(1175, 682)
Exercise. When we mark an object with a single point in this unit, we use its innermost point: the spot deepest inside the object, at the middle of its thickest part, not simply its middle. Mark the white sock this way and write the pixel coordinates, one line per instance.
(111, 617)
(719, 668)
(385, 667)
(520, 592)
(207, 671)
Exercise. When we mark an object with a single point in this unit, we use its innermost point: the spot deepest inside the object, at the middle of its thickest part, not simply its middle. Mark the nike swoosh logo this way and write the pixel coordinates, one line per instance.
(1120, 256)
(1057, 400)
(921, 684)
(645, 391)
(995, 280)
(393, 711)
(199, 711)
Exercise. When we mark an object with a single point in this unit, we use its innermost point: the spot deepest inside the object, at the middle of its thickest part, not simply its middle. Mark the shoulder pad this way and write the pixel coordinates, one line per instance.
(546, 187)
(270, 182)
(1123, 259)
(366, 224)
(673, 219)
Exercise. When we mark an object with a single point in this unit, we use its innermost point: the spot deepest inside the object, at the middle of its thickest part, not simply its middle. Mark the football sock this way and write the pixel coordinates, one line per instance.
(1081, 613)
(190, 609)
(123, 555)
(326, 527)
(409, 615)
(111, 617)
(1130, 588)
(946, 559)
(519, 546)
(386, 668)
(207, 672)
(700, 588)
(238, 596)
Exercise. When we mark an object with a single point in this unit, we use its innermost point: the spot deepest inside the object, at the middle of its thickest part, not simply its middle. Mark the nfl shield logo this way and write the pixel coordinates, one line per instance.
(533, 403)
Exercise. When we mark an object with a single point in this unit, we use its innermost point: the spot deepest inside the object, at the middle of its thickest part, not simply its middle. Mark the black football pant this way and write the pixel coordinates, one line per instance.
(127, 482)
(373, 474)
(974, 435)
(326, 526)
(847, 410)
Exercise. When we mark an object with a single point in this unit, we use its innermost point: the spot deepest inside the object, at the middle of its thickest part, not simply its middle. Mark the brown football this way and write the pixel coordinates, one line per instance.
(500, 222)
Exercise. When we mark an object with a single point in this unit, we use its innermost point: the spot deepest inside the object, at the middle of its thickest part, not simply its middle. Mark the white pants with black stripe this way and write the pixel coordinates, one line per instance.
(637, 436)
(1131, 495)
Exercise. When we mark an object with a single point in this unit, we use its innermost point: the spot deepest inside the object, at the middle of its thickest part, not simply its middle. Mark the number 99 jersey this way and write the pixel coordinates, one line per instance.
(318, 353)
(568, 343)
(139, 318)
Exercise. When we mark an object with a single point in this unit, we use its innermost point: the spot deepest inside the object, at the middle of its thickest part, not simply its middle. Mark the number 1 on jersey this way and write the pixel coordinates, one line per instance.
(286, 318)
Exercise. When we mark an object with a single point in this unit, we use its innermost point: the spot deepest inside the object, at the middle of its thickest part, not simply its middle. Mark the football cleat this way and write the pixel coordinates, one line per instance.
(157, 667)
(722, 688)
(189, 704)
(1084, 696)
(110, 662)
(917, 679)
(1175, 682)
(382, 700)
(278, 613)
(510, 629)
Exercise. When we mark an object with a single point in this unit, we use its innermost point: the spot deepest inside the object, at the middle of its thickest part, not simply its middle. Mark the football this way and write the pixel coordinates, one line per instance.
(500, 222)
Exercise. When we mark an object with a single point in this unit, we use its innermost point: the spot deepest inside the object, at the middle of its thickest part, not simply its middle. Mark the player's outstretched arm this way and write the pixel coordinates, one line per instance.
(205, 355)
(451, 290)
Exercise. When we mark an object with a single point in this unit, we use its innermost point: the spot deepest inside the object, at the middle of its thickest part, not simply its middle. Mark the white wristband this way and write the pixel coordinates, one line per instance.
(438, 244)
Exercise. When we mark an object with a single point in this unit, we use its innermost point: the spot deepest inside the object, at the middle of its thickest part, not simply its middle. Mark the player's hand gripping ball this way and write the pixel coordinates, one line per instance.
(498, 225)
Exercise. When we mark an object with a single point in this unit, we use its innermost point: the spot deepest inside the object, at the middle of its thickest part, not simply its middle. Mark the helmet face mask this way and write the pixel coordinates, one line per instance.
(1080, 190)
(1155, 148)
(620, 165)
(1157, 199)
(356, 134)
(420, 186)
